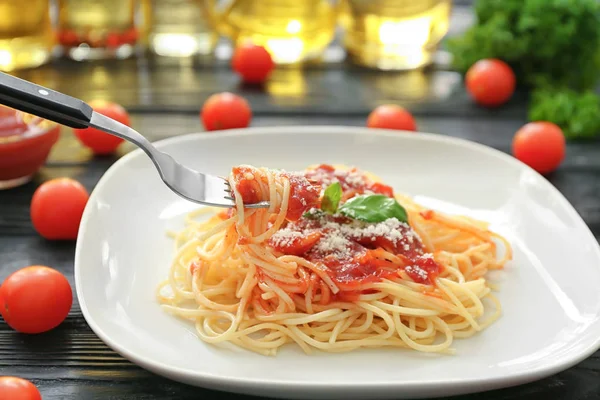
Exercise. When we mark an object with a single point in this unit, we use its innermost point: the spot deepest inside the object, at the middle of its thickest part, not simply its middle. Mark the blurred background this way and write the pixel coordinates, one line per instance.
(481, 70)
(166, 57)
(111, 48)
(383, 34)
(337, 59)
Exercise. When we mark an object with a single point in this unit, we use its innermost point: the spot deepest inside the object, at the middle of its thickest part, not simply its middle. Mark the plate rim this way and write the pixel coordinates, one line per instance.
(213, 380)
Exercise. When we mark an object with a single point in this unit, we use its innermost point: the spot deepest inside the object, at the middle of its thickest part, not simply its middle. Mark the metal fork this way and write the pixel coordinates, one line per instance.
(66, 110)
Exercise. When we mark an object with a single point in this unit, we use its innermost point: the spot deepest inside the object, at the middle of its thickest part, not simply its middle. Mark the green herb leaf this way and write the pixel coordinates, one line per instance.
(373, 208)
(542, 40)
(331, 198)
(577, 113)
(313, 213)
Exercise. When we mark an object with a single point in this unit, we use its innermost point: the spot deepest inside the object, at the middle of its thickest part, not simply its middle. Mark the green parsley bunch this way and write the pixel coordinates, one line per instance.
(554, 48)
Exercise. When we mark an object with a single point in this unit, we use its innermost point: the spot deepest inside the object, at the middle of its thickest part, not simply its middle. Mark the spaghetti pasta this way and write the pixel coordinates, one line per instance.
(330, 277)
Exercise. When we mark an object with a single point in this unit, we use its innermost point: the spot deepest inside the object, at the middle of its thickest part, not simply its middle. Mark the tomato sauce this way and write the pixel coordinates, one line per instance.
(24, 143)
(424, 263)
(352, 181)
(246, 184)
(304, 194)
(351, 254)
(358, 259)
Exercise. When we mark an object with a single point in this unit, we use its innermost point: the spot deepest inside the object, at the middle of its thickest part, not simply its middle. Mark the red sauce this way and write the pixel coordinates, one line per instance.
(352, 180)
(363, 260)
(351, 271)
(299, 245)
(364, 257)
(246, 184)
(304, 195)
(404, 246)
(25, 143)
(427, 264)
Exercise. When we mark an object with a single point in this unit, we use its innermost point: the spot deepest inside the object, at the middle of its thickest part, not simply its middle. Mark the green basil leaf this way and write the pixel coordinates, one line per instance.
(373, 208)
(313, 213)
(331, 198)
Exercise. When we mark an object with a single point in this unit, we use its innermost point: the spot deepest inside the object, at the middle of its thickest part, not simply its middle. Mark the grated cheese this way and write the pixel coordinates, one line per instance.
(416, 270)
(391, 229)
(335, 243)
(338, 238)
(323, 178)
(355, 179)
(286, 237)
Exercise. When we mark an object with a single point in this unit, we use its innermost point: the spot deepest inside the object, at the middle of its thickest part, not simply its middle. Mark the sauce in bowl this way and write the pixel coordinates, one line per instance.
(25, 142)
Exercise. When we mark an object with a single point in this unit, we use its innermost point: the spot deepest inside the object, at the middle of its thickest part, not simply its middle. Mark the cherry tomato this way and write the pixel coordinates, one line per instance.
(391, 116)
(68, 38)
(490, 82)
(14, 388)
(225, 111)
(253, 63)
(541, 145)
(35, 299)
(130, 36)
(100, 142)
(56, 208)
(113, 40)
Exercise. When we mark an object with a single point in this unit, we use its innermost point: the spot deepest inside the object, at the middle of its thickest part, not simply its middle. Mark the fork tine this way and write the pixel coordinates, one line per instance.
(229, 191)
(190, 184)
(206, 189)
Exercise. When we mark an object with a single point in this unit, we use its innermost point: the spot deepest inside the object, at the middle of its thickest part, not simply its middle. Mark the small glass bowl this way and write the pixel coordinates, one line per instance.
(25, 142)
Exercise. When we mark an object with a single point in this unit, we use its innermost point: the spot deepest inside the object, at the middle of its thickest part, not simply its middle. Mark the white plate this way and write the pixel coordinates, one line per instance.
(550, 292)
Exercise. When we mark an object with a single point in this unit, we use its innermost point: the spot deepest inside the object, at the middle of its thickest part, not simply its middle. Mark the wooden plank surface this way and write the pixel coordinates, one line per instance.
(164, 96)
(72, 363)
(155, 86)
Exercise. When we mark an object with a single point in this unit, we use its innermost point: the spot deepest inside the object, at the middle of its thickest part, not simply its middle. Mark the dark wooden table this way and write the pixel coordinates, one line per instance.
(164, 97)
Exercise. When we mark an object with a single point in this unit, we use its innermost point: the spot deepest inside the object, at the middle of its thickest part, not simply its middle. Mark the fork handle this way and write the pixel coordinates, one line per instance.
(43, 102)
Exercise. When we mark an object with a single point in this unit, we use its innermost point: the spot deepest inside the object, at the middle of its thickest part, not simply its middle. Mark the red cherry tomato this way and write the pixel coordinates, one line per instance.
(100, 142)
(225, 111)
(490, 82)
(541, 145)
(113, 40)
(68, 38)
(35, 299)
(56, 208)
(391, 116)
(253, 63)
(14, 388)
(130, 36)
